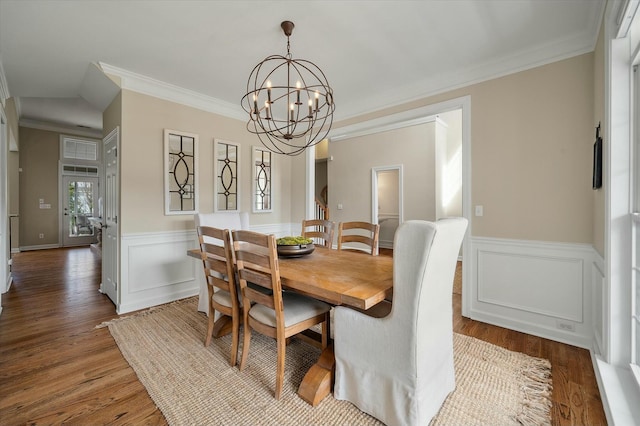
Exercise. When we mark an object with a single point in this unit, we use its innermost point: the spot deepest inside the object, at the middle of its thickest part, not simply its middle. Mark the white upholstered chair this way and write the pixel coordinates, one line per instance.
(221, 220)
(399, 368)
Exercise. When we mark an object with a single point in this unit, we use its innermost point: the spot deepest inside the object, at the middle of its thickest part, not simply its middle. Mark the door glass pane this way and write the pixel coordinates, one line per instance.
(80, 208)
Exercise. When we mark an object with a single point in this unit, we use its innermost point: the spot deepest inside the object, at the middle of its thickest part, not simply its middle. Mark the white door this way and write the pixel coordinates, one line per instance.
(110, 232)
(80, 202)
(387, 202)
(4, 220)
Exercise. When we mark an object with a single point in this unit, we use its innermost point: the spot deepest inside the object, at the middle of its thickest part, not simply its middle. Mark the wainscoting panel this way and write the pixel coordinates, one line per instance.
(503, 276)
(155, 269)
(540, 288)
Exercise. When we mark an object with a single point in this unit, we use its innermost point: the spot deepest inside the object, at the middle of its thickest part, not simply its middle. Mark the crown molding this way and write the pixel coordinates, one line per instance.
(522, 61)
(159, 89)
(4, 87)
(60, 128)
(413, 117)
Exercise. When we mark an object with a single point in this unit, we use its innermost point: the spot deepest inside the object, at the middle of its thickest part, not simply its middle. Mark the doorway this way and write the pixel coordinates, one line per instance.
(463, 161)
(387, 203)
(80, 197)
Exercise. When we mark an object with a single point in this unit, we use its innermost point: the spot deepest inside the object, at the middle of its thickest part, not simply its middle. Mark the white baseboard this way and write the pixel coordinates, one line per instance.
(39, 247)
(539, 288)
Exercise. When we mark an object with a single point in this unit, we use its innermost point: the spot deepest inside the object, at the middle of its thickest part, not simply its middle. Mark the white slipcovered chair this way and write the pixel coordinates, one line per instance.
(399, 368)
(221, 220)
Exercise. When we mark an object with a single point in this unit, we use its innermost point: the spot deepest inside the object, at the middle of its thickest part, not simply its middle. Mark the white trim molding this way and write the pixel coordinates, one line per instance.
(539, 288)
(159, 89)
(4, 87)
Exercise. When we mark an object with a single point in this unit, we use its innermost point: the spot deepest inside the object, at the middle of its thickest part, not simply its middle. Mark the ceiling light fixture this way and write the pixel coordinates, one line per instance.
(289, 102)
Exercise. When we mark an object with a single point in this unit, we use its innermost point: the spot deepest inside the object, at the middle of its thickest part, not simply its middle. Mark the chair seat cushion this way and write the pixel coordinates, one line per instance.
(223, 297)
(297, 308)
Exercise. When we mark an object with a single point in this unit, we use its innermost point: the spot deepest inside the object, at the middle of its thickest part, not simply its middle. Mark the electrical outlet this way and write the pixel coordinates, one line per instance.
(41, 236)
(566, 326)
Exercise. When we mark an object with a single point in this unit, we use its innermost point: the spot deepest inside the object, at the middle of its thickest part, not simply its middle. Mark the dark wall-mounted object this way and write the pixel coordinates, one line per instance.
(597, 160)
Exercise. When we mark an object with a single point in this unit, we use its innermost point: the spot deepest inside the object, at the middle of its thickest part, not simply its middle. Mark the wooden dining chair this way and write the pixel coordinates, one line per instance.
(219, 272)
(361, 234)
(319, 229)
(279, 314)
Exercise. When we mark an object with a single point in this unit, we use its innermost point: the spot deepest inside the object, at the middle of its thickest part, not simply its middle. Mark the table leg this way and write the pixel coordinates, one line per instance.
(318, 381)
(222, 326)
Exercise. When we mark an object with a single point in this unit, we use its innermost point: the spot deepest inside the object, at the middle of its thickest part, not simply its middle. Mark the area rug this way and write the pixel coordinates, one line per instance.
(194, 385)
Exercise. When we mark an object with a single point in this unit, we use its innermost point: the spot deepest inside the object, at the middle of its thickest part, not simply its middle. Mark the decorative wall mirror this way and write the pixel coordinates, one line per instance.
(226, 157)
(180, 172)
(261, 165)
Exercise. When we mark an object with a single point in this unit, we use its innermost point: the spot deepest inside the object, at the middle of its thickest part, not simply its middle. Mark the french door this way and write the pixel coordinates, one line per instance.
(80, 202)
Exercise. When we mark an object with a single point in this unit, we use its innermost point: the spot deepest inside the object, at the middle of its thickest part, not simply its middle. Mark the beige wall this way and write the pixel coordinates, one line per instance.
(531, 148)
(112, 116)
(349, 173)
(39, 152)
(598, 117)
(144, 119)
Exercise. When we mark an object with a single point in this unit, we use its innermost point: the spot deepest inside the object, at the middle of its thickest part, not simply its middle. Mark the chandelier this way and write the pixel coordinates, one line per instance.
(289, 102)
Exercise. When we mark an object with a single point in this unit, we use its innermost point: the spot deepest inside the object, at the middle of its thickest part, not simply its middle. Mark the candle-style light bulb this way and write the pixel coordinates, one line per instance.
(269, 91)
(317, 99)
(291, 107)
(266, 109)
(310, 108)
(298, 93)
(255, 105)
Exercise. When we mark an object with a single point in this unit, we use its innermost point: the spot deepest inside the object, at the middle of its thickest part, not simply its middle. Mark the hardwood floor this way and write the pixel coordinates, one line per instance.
(55, 367)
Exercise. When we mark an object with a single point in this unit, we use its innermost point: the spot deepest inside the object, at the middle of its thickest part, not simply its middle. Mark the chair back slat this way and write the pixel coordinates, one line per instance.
(257, 263)
(258, 297)
(321, 231)
(359, 232)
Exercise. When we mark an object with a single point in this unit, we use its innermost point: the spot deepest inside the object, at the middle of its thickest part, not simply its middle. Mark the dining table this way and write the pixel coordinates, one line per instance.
(338, 277)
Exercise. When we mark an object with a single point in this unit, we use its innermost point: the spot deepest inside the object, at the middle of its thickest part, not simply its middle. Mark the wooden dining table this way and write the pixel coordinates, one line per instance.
(337, 277)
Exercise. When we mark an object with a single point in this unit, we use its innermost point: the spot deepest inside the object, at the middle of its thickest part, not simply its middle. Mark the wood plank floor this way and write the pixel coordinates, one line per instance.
(55, 367)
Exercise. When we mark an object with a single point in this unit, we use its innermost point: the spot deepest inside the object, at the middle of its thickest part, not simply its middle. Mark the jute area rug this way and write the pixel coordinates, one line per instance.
(194, 385)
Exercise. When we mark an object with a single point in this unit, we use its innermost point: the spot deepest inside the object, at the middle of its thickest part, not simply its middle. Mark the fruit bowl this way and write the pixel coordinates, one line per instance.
(295, 246)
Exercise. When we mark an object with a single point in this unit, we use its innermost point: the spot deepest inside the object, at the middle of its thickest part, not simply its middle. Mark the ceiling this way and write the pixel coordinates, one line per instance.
(374, 53)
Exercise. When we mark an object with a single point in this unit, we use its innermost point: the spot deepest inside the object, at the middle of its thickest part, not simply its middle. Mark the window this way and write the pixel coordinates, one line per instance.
(180, 172)
(261, 180)
(227, 164)
(79, 149)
